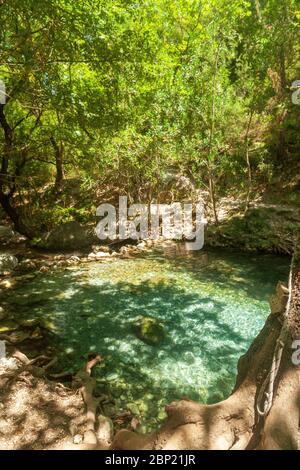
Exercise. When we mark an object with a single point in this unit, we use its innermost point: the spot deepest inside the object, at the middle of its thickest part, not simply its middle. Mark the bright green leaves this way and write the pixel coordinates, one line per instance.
(132, 88)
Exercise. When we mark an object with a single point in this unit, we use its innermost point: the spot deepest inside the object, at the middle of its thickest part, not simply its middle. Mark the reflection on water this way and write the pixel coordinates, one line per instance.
(211, 304)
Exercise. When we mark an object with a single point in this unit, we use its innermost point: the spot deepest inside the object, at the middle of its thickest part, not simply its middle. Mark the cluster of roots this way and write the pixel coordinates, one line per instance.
(228, 425)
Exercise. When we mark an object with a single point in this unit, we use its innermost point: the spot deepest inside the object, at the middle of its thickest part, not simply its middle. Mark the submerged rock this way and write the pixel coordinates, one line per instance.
(27, 265)
(48, 325)
(150, 330)
(111, 377)
(162, 415)
(109, 409)
(29, 322)
(25, 277)
(7, 263)
(189, 357)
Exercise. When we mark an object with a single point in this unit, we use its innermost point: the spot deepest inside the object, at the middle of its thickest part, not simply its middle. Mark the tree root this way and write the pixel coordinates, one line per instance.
(27, 365)
(88, 385)
(99, 430)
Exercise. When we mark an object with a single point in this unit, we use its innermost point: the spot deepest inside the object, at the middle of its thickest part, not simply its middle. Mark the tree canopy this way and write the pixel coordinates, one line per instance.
(122, 91)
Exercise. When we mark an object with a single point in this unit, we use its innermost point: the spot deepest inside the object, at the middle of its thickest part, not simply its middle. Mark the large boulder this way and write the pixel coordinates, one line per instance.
(68, 236)
(150, 330)
(7, 263)
(6, 233)
(180, 185)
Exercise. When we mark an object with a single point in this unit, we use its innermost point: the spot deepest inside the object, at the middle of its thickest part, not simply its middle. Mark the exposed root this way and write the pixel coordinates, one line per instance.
(88, 385)
(96, 431)
(61, 375)
(99, 431)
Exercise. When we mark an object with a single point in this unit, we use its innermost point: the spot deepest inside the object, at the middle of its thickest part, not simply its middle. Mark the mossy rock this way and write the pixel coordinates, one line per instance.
(271, 230)
(133, 408)
(150, 330)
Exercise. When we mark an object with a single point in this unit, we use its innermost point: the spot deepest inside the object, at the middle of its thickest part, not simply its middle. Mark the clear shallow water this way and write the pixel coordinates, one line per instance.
(212, 306)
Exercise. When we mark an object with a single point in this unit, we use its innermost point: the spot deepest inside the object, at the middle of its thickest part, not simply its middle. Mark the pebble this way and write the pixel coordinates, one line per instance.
(78, 439)
(102, 254)
(133, 408)
(111, 377)
(161, 415)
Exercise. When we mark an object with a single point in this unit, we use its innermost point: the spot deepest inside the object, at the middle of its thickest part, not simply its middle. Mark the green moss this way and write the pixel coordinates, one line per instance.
(150, 330)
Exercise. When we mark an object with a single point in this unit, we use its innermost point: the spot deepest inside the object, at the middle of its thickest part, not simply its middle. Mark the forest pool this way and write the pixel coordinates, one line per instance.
(212, 304)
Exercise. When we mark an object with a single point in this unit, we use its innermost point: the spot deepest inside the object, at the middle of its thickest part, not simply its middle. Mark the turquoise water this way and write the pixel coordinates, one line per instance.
(212, 305)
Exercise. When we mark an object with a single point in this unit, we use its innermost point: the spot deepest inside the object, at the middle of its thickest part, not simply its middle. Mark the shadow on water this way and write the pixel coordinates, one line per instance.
(253, 274)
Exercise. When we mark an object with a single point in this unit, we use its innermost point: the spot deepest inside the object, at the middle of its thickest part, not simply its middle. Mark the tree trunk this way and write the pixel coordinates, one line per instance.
(248, 163)
(6, 197)
(59, 152)
(258, 10)
(235, 423)
(14, 215)
(212, 194)
(212, 191)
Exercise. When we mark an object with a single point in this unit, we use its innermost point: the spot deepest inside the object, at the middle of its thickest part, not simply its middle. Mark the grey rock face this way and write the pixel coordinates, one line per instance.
(68, 236)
